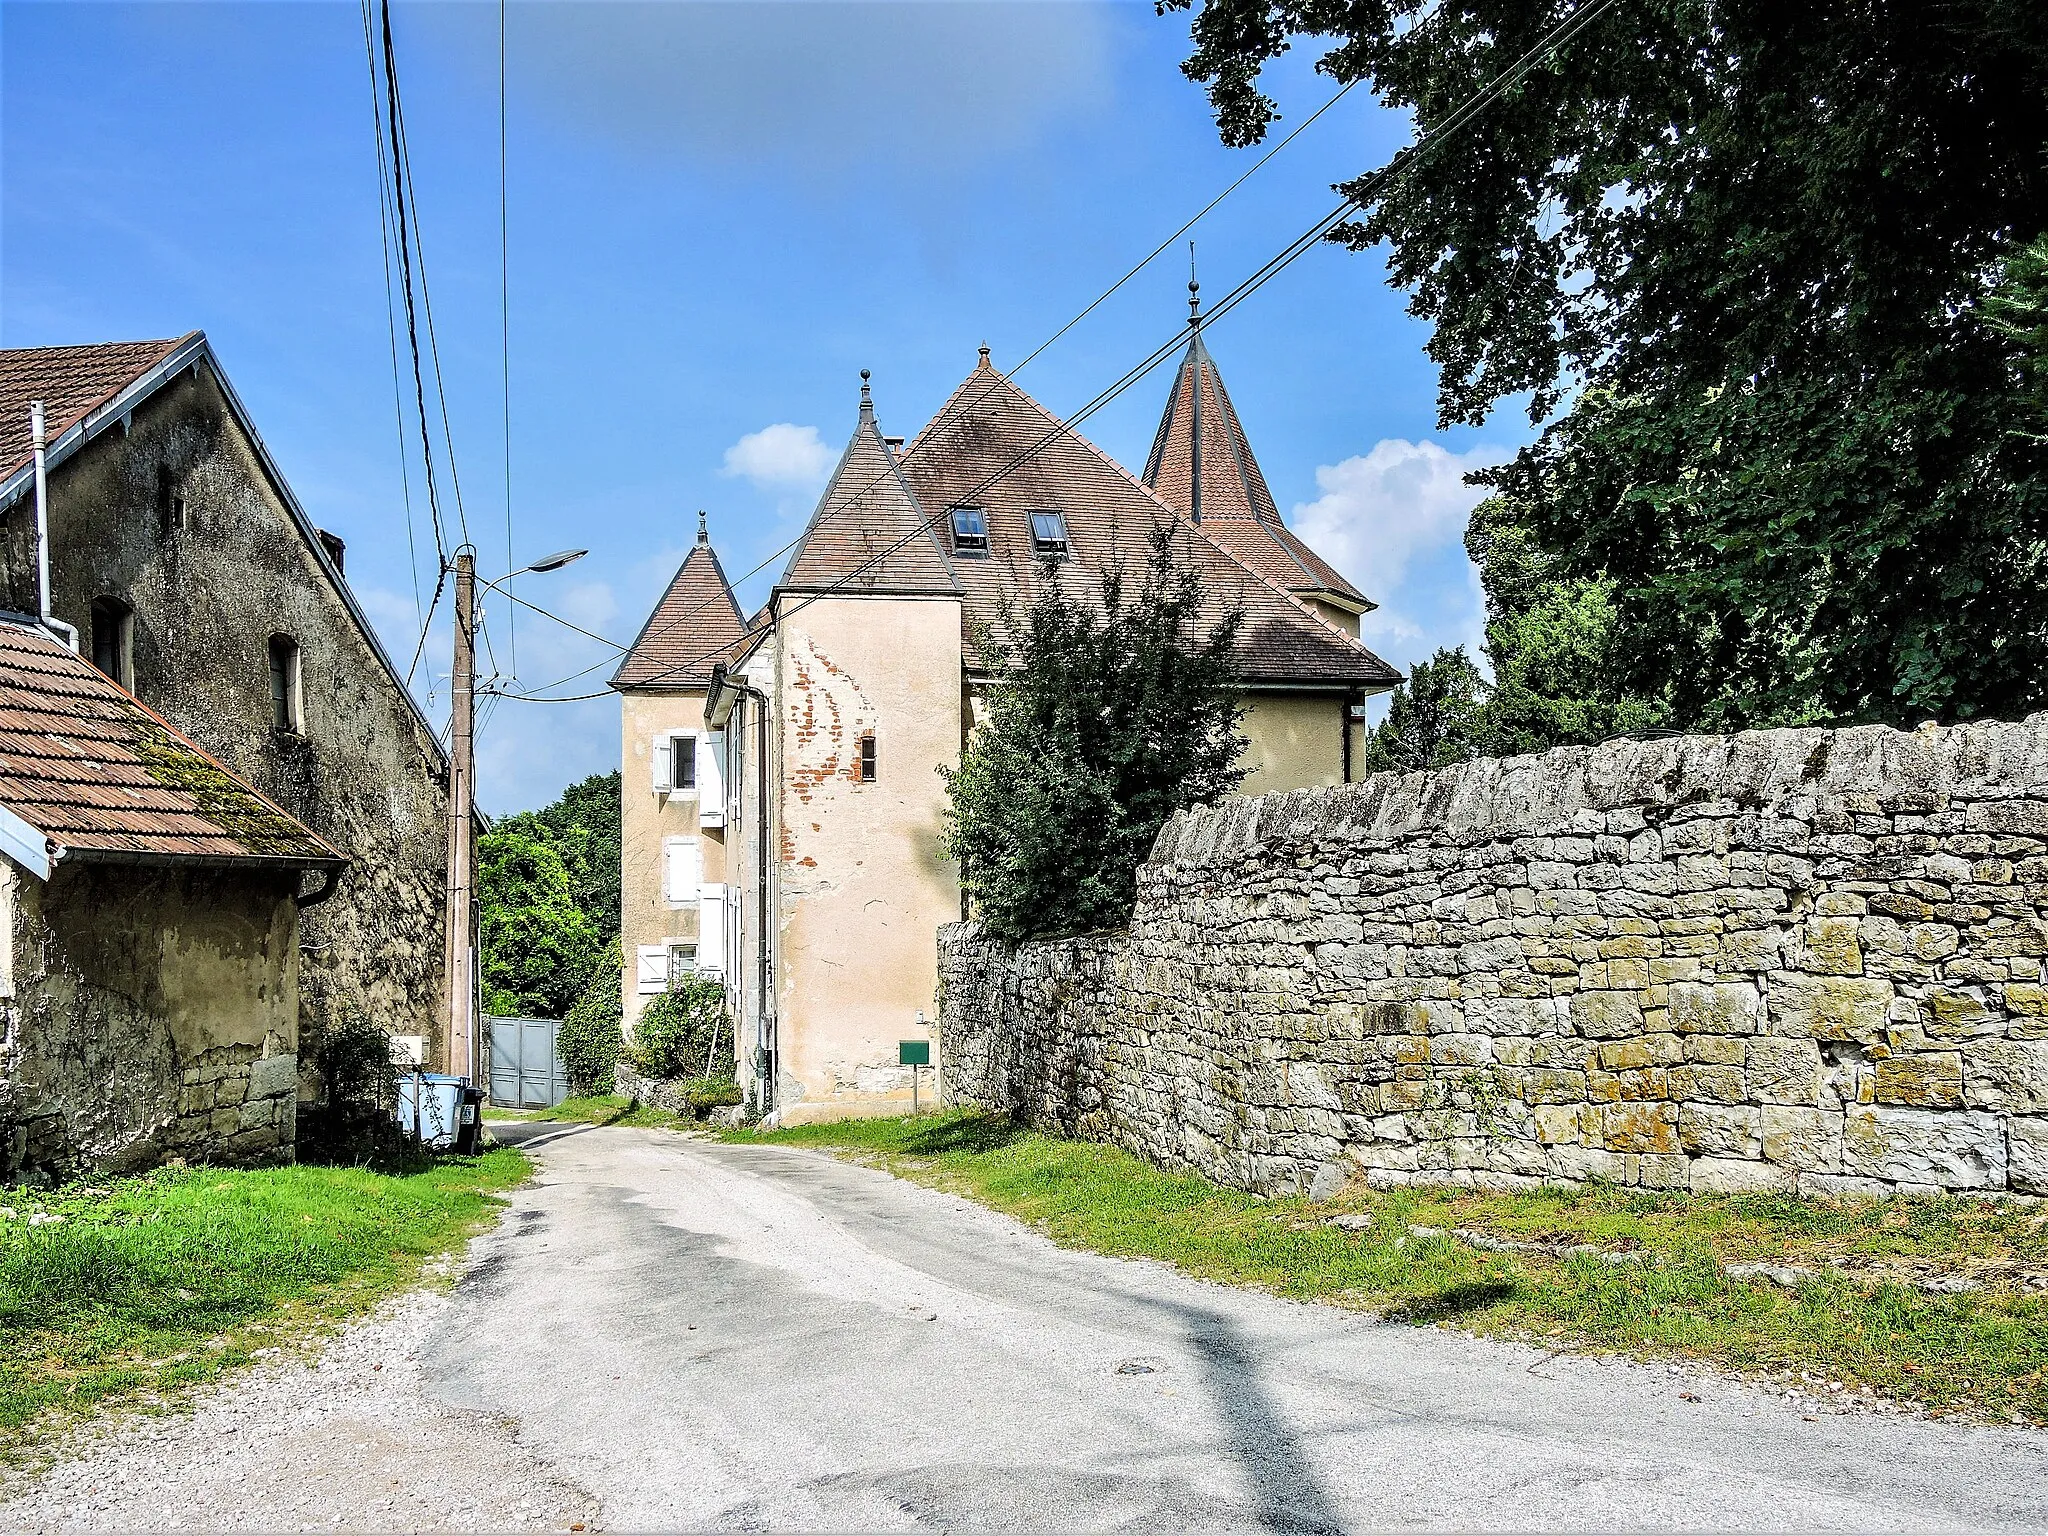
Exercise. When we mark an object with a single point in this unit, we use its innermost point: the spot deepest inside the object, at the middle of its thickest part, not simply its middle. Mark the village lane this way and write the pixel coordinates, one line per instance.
(710, 1336)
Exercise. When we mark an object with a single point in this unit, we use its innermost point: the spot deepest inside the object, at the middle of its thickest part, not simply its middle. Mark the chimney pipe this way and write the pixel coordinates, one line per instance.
(38, 439)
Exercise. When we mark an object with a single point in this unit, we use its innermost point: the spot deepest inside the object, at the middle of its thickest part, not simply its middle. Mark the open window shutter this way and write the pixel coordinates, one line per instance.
(711, 928)
(711, 780)
(662, 769)
(651, 974)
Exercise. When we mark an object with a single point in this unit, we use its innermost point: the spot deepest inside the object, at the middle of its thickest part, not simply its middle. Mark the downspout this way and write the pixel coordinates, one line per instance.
(1349, 703)
(38, 441)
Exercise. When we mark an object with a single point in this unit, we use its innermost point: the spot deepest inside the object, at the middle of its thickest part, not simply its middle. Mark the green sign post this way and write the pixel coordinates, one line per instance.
(916, 1055)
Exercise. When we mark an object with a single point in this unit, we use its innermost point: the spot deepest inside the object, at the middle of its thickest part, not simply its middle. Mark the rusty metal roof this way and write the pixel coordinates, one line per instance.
(100, 775)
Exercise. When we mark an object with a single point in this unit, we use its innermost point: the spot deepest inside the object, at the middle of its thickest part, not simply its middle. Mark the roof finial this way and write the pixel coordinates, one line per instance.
(703, 529)
(1194, 290)
(867, 400)
(984, 354)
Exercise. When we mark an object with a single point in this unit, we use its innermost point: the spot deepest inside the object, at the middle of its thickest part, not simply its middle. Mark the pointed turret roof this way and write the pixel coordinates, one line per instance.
(869, 534)
(994, 447)
(1202, 464)
(695, 624)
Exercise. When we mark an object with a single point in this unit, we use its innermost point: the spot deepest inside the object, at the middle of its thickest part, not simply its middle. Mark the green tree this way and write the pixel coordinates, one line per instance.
(1434, 719)
(591, 1037)
(1106, 717)
(583, 826)
(1743, 259)
(537, 947)
(1551, 642)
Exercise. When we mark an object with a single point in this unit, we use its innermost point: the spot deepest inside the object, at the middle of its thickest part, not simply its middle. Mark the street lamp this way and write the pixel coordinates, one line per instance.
(460, 953)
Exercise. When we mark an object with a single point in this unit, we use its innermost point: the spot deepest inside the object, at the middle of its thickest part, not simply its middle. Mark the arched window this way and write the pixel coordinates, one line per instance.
(284, 684)
(113, 640)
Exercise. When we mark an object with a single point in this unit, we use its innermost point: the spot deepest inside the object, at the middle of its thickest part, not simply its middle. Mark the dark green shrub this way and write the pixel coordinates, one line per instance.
(352, 1123)
(589, 1039)
(684, 1033)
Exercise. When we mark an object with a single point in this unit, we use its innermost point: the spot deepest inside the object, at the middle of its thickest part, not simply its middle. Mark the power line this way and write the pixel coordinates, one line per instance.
(932, 427)
(391, 320)
(505, 337)
(1366, 188)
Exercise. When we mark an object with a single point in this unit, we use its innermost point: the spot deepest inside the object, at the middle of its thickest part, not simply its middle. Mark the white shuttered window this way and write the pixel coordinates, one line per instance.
(682, 870)
(651, 973)
(711, 928)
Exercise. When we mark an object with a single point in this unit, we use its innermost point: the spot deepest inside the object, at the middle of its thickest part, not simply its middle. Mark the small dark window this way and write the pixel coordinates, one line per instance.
(1049, 534)
(113, 640)
(170, 506)
(686, 762)
(867, 757)
(970, 531)
(284, 684)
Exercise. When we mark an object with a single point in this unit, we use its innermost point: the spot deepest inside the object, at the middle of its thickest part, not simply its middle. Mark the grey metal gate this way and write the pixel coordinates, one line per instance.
(526, 1066)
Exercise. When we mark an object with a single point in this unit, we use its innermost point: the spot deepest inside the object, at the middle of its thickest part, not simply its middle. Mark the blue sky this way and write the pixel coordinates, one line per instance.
(719, 213)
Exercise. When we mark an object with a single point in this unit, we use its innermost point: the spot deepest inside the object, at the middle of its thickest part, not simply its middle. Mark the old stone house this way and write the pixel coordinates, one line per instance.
(149, 932)
(197, 581)
(800, 852)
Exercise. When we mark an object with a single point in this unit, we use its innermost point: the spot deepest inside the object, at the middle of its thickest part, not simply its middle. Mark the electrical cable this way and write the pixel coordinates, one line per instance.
(505, 335)
(1365, 189)
(1094, 304)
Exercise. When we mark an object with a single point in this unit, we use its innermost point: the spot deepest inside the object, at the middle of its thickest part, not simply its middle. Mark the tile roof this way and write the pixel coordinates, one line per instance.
(869, 534)
(100, 775)
(993, 446)
(1202, 464)
(695, 625)
(70, 381)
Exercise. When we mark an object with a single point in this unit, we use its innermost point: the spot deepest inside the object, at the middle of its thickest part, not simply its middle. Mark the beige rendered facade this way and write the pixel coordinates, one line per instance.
(871, 710)
(832, 712)
(673, 843)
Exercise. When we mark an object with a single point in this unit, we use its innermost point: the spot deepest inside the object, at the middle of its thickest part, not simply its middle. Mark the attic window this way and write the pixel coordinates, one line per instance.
(867, 757)
(970, 531)
(113, 640)
(1049, 535)
(284, 685)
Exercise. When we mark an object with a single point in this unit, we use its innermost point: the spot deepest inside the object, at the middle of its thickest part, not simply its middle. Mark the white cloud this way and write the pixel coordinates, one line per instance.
(1379, 510)
(781, 457)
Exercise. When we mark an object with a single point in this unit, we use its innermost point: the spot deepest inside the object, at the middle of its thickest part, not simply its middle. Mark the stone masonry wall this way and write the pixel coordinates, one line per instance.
(1802, 960)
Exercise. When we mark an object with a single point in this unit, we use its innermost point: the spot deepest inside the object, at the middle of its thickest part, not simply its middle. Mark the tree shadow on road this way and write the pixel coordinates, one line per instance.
(1289, 1495)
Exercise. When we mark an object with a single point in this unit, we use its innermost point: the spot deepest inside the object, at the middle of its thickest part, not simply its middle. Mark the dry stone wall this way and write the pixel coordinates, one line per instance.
(1802, 960)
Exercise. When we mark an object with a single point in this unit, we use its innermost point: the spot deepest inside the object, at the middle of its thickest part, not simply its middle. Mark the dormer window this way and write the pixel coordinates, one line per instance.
(970, 531)
(1049, 535)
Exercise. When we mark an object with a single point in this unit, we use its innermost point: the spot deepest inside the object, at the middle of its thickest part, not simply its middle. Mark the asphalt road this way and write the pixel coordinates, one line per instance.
(713, 1337)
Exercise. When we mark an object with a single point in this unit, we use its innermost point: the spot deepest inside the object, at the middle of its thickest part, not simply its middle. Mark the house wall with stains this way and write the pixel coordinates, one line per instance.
(862, 882)
(175, 516)
(148, 1012)
(652, 819)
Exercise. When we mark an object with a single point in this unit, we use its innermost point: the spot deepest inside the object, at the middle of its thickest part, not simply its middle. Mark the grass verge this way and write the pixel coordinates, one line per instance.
(1649, 1276)
(599, 1109)
(144, 1286)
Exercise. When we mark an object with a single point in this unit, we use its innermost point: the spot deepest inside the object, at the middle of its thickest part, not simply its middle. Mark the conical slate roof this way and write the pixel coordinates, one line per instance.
(1202, 464)
(869, 535)
(695, 624)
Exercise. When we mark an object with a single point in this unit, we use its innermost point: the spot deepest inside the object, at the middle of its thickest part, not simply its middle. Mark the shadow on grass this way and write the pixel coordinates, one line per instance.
(967, 1133)
(1452, 1303)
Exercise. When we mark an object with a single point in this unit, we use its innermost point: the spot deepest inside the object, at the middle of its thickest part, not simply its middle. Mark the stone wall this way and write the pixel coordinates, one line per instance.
(1782, 960)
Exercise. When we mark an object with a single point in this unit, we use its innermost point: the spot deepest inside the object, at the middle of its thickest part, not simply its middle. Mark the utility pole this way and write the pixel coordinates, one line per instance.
(461, 954)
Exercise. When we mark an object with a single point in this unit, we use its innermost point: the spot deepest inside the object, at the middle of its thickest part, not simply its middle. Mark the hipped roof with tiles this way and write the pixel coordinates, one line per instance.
(101, 776)
(1202, 465)
(694, 627)
(70, 381)
(995, 448)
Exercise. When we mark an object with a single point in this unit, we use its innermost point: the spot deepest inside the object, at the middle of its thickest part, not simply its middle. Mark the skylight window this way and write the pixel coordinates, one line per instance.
(970, 531)
(1049, 534)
